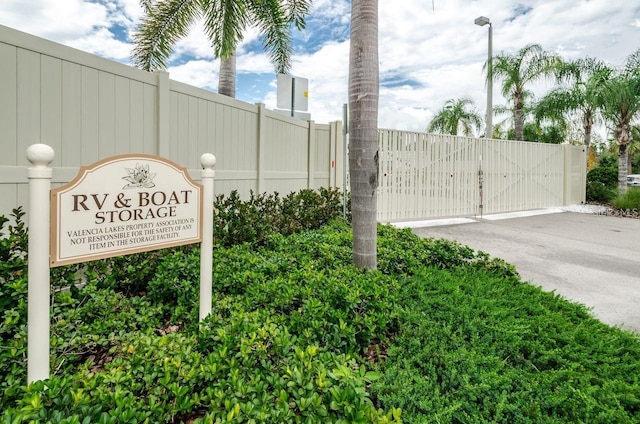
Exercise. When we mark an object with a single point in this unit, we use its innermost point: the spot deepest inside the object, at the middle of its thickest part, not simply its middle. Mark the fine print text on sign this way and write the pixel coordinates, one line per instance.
(122, 205)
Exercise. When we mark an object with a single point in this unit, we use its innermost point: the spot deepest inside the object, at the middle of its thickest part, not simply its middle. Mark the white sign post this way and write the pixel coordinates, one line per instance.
(208, 161)
(117, 206)
(40, 156)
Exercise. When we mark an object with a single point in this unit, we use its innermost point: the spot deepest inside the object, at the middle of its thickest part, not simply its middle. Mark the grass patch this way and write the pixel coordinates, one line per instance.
(629, 201)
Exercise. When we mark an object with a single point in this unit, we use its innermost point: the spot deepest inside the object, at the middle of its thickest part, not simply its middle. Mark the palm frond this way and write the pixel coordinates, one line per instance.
(162, 27)
(146, 5)
(272, 20)
(225, 23)
(456, 114)
(297, 10)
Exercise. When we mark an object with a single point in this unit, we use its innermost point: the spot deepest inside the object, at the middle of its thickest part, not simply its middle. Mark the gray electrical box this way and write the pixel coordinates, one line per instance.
(293, 93)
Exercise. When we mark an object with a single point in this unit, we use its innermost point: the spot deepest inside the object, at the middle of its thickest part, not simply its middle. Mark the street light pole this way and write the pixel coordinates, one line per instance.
(482, 21)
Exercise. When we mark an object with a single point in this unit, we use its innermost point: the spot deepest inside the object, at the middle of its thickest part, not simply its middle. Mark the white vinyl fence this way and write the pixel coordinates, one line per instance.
(427, 175)
(88, 108)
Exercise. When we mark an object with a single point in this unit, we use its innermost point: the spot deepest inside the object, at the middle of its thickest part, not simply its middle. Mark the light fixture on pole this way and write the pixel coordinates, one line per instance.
(482, 21)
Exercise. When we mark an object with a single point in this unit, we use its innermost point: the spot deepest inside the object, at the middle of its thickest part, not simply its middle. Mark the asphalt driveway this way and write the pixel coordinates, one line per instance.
(586, 258)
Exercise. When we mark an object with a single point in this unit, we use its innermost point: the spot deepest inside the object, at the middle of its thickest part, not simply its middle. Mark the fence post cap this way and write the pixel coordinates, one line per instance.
(208, 161)
(40, 154)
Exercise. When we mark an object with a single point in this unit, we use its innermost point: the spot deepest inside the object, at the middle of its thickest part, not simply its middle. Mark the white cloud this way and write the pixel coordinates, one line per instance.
(199, 73)
(433, 55)
(103, 43)
(254, 62)
(62, 21)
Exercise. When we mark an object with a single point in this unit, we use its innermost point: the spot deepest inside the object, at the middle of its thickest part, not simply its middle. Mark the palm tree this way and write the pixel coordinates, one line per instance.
(363, 132)
(516, 72)
(456, 114)
(633, 148)
(619, 97)
(168, 21)
(579, 96)
(506, 126)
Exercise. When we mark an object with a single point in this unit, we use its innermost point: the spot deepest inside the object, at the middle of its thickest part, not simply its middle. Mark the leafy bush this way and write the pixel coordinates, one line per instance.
(254, 220)
(401, 252)
(607, 175)
(13, 296)
(602, 182)
(297, 334)
(255, 357)
(598, 192)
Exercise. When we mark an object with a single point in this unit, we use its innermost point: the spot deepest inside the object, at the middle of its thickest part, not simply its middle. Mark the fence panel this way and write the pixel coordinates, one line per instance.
(521, 175)
(452, 163)
(428, 175)
(575, 169)
(325, 152)
(88, 108)
(286, 153)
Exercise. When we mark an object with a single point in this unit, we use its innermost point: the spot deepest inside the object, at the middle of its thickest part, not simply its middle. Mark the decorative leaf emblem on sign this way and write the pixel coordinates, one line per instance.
(139, 177)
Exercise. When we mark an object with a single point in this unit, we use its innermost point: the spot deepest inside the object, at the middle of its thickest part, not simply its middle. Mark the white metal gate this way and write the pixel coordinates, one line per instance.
(428, 175)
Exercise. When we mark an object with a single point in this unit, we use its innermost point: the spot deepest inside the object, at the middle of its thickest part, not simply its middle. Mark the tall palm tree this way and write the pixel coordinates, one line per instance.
(507, 126)
(456, 114)
(363, 130)
(516, 72)
(632, 148)
(620, 102)
(166, 22)
(582, 77)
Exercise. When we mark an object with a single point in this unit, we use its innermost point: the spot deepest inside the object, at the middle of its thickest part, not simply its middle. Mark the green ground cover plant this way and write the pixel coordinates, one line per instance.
(439, 333)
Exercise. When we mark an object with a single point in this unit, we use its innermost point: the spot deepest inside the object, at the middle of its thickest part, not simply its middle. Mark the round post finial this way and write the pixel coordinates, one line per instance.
(208, 161)
(40, 154)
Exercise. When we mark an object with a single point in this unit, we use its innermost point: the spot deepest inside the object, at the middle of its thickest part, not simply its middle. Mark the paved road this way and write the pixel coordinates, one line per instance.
(590, 259)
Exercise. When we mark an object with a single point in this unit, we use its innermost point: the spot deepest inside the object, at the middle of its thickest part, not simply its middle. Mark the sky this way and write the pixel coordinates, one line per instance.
(429, 50)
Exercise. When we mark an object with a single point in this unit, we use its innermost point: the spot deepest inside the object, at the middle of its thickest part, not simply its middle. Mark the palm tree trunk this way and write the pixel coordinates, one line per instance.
(518, 117)
(623, 163)
(227, 77)
(587, 124)
(363, 132)
(624, 136)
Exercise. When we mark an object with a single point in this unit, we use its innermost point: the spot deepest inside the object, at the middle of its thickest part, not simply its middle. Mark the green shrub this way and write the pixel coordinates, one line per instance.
(607, 175)
(602, 182)
(13, 296)
(175, 287)
(599, 192)
(401, 252)
(476, 348)
(297, 334)
(252, 221)
(629, 201)
(13, 248)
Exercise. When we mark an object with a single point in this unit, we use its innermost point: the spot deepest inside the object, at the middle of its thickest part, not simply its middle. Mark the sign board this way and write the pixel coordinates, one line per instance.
(121, 205)
(293, 93)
